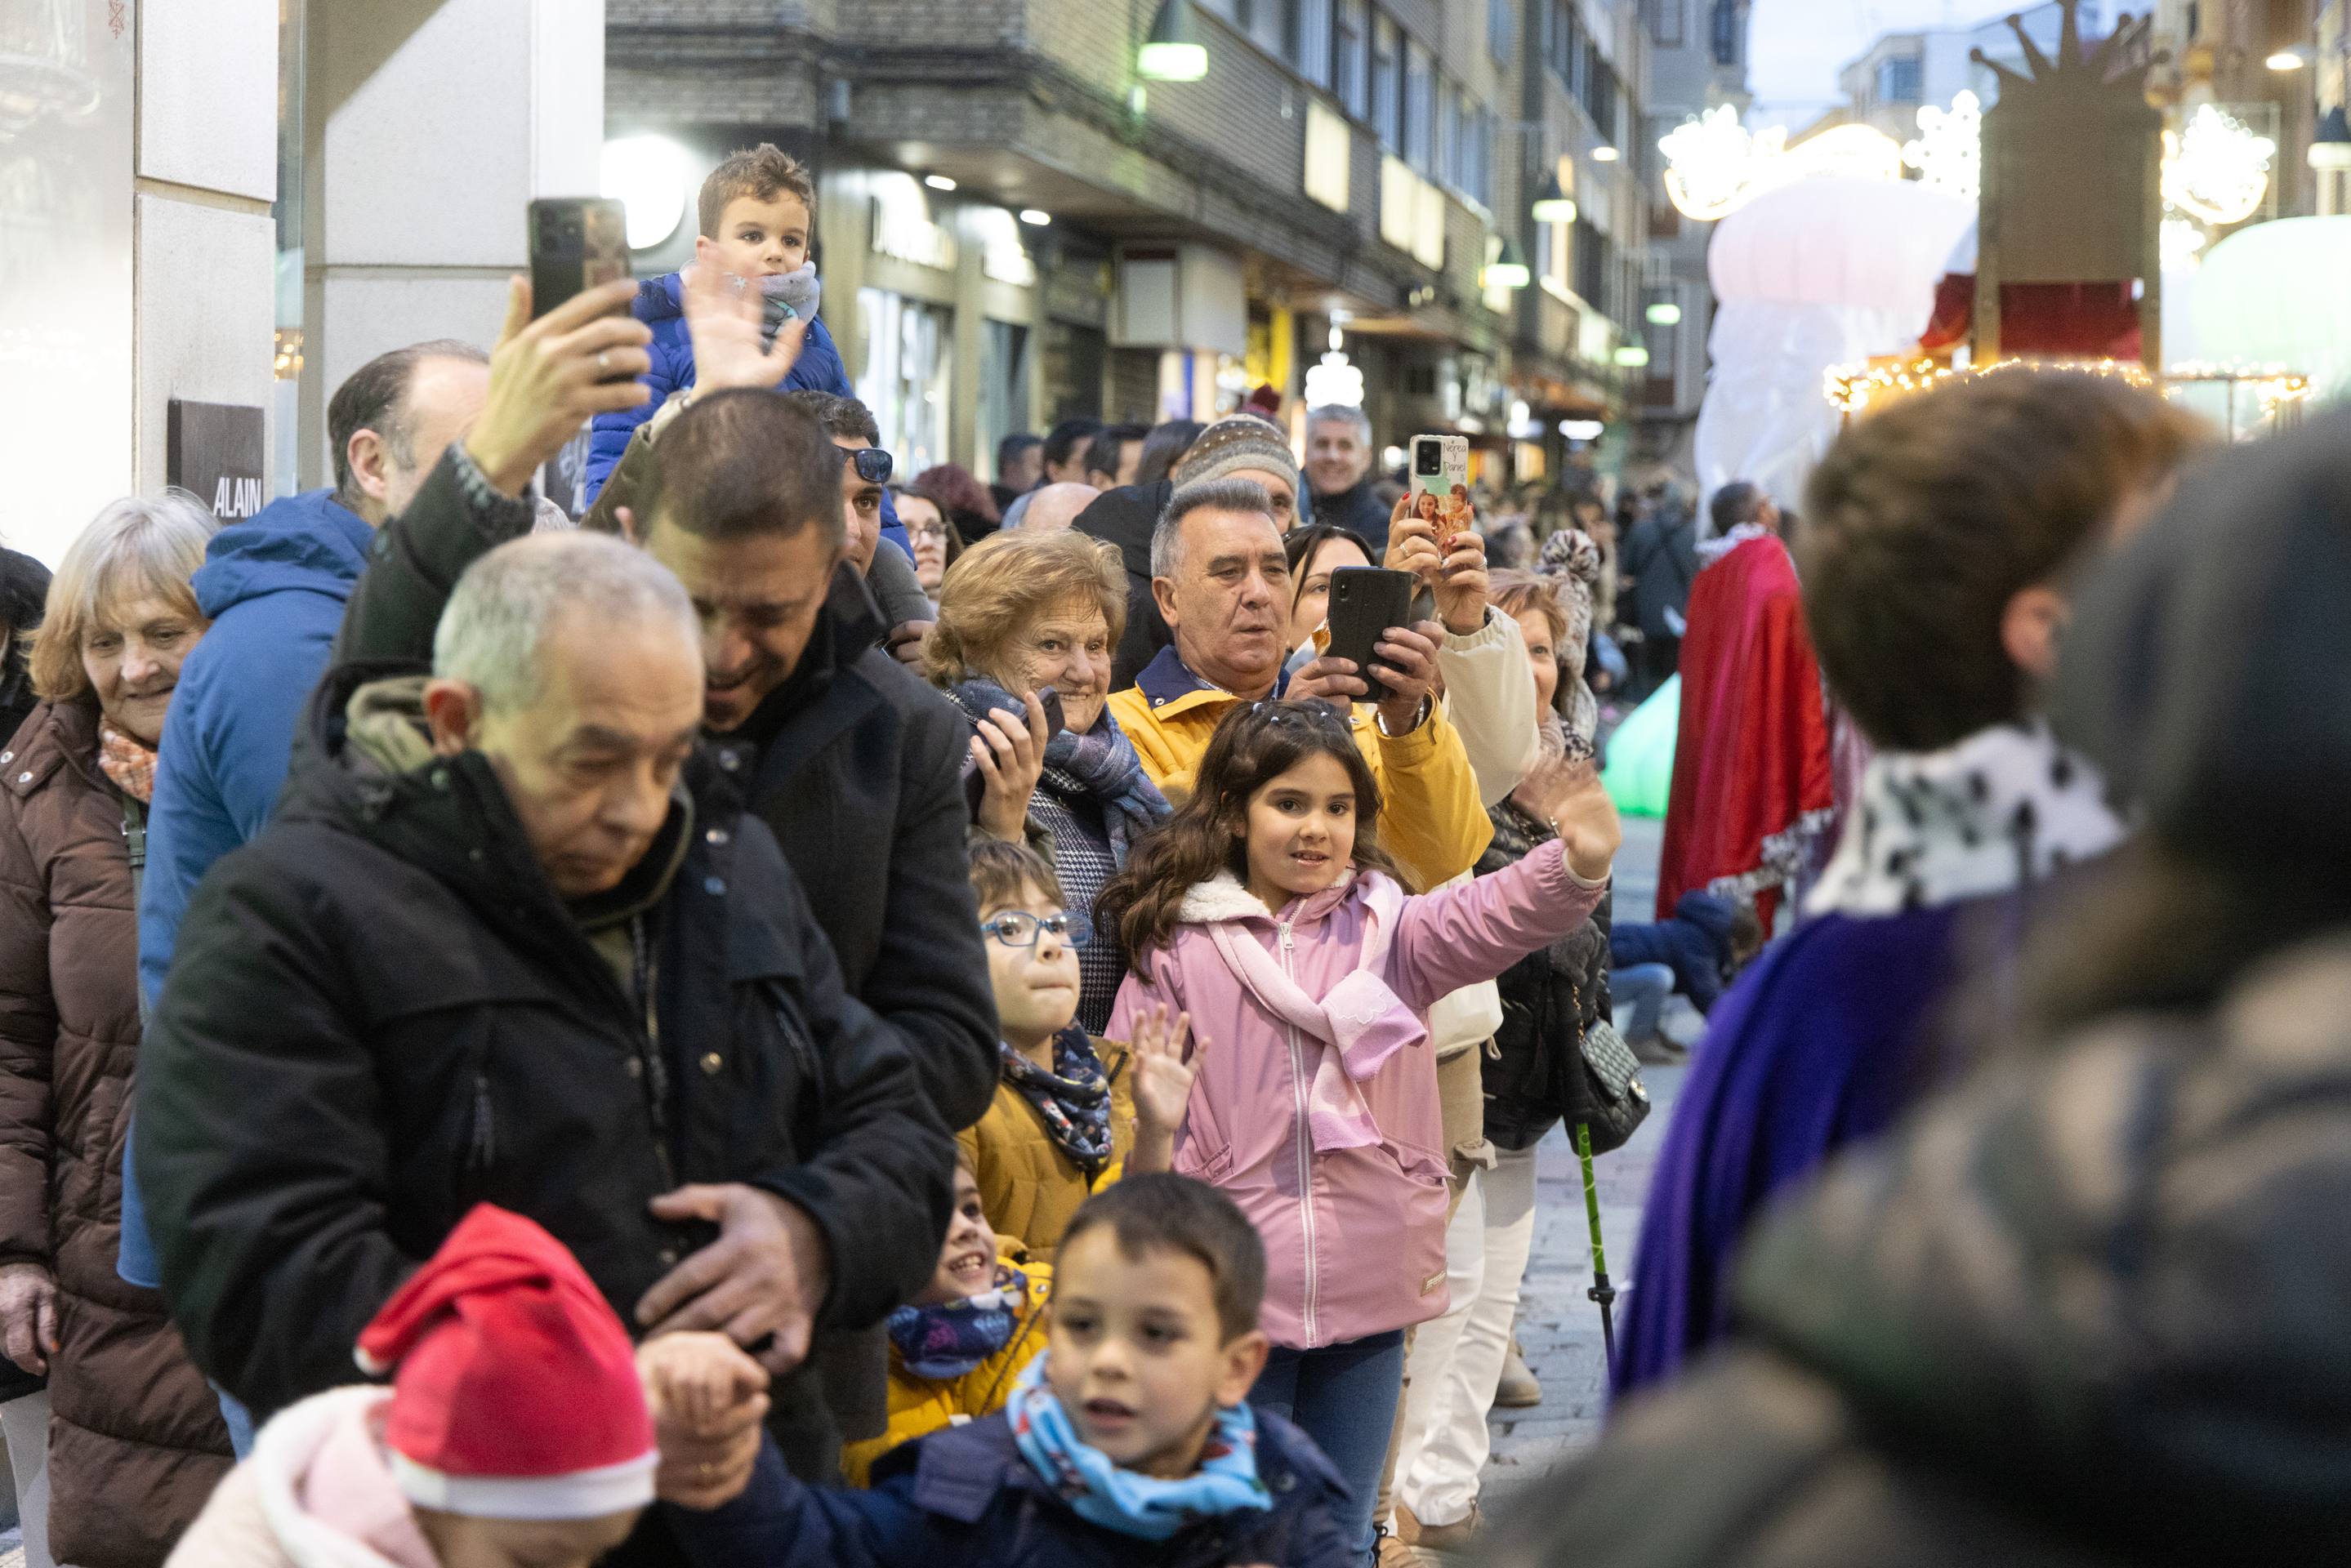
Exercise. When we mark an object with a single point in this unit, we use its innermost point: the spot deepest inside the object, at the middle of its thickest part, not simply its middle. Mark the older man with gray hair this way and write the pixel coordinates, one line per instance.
(1221, 580)
(509, 940)
(1340, 457)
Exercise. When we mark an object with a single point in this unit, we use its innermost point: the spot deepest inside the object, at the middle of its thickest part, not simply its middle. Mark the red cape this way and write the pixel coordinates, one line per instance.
(1752, 777)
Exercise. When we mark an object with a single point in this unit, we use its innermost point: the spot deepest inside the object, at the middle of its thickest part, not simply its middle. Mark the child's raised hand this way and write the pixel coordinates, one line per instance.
(1162, 1083)
(1567, 792)
(724, 314)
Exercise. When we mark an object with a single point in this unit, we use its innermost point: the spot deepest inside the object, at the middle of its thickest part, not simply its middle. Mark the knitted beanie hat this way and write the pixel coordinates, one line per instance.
(1237, 442)
(515, 1390)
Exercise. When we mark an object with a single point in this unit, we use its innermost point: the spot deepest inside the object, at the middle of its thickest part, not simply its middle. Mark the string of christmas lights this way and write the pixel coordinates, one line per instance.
(1851, 388)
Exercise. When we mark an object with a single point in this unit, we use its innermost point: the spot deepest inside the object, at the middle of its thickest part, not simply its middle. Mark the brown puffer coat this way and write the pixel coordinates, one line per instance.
(136, 1441)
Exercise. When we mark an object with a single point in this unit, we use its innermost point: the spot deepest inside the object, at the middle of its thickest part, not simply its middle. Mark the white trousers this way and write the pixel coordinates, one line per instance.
(24, 1423)
(1457, 1360)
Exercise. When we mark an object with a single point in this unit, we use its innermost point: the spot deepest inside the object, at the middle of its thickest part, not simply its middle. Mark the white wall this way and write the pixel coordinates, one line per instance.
(432, 124)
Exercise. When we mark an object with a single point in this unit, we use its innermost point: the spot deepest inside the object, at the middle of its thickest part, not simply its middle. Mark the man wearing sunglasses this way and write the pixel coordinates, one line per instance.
(889, 573)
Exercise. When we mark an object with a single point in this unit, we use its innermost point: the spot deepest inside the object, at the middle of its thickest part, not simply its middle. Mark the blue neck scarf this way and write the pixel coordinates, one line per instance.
(1128, 1501)
(1102, 764)
(949, 1341)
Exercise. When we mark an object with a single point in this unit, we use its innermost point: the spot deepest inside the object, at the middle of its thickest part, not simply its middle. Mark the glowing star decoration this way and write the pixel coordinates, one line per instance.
(2215, 168)
(1949, 150)
(1716, 166)
(2183, 240)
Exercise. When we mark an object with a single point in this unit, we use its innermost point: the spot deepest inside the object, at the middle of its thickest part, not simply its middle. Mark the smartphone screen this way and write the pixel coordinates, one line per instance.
(576, 243)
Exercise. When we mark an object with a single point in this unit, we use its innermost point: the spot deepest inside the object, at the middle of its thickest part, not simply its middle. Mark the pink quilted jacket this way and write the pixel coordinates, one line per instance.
(1315, 1107)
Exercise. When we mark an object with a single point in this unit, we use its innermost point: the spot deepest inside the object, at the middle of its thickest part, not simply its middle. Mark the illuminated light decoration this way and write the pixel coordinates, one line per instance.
(1714, 165)
(1948, 149)
(1852, 389)
(1334, 382)
(2183, 240)
(2215, 168)
(1665, 313)
(1171, 51)
(647, 175)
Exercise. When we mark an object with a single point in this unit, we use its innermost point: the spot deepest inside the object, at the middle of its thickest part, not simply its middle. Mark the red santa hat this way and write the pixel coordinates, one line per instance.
(515, 1394)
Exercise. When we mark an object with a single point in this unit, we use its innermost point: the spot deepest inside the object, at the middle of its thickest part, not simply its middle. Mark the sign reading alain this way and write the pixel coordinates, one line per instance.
(213, 450)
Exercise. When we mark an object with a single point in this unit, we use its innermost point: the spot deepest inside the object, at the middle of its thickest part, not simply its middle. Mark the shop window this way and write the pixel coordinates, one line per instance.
(1330, 157)
(1347, 57)
(1309, 39)
(909, 374)
(1899, 80)
(1003, 386)
(1665, 22)
(1730, 35)
(1419, 109)
(1387, 84)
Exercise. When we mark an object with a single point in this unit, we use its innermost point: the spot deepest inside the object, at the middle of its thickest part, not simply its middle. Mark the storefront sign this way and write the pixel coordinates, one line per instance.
(904, 234)
(214, 451)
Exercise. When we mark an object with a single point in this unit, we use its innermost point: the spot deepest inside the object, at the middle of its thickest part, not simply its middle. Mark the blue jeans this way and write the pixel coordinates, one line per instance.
(1344, 1397)
(1640, 991)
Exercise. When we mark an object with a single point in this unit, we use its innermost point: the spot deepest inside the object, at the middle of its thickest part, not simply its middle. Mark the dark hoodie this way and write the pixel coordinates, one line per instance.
(1696, 943)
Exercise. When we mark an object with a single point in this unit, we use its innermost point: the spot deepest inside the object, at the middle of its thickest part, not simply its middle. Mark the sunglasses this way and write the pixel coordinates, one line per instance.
(1017, 929)
(873, 464)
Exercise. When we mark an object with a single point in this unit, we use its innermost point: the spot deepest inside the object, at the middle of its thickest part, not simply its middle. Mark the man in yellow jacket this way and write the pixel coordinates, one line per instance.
(1223, 584)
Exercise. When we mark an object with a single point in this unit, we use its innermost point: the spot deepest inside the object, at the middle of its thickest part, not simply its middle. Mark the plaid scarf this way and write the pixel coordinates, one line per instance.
(1102, 764)
(1073, 1098)
(128, 761)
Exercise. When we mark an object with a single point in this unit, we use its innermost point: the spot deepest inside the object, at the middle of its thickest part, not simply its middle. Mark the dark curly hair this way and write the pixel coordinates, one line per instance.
(1256, 744)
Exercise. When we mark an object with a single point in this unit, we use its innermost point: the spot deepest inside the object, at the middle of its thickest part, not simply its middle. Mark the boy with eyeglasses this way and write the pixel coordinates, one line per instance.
(1072, 1113)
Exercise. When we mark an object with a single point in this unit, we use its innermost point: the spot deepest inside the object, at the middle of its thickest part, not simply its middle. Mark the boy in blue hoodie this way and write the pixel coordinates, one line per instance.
(1131, 1441)
(757, 210)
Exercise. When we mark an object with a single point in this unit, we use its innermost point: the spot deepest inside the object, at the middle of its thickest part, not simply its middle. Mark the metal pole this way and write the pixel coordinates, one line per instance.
(1601, 1291)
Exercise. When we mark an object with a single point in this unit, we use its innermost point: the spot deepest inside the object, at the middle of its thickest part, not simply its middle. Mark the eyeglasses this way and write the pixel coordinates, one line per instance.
(1017, 929)
(934, 532)
(873, 464)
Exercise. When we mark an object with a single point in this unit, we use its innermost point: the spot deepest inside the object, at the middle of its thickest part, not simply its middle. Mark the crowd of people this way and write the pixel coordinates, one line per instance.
(799, 1018)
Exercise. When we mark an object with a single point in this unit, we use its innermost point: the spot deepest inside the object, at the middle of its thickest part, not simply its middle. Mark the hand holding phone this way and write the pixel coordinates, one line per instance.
(1366, 604)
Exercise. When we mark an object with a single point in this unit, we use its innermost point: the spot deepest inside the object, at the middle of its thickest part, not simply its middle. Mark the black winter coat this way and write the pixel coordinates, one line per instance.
(2084, 1312)
(1127, 517)
(1548, 999)
(862, 788)
(1360, 508)
(381, 1014)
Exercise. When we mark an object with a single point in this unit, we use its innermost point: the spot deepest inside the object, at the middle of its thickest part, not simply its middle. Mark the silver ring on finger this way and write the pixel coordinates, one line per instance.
(603, 358)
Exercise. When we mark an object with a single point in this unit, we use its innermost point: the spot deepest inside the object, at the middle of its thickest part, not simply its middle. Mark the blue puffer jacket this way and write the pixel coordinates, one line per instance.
(964, 1496)
(1696, 942)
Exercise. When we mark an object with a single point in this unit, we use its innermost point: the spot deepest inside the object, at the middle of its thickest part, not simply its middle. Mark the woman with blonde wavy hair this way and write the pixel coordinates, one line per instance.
(135, 1437)
(1022, 615)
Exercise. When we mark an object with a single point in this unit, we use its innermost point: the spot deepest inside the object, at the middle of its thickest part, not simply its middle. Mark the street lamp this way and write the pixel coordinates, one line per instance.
(2292, 59)
(1508, 269)
(2330, 150)
(1171, 51)
(1632, 357)
(1665, 313)
(1604, 154)
(1553, 204)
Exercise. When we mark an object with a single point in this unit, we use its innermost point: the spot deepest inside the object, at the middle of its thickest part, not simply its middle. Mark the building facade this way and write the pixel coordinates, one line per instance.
(1698, 62)
(1016, 226)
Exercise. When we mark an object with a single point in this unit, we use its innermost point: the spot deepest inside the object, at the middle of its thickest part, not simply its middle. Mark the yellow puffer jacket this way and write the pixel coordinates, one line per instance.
(1028, 1186)
(921, 1405)
(1432, 818)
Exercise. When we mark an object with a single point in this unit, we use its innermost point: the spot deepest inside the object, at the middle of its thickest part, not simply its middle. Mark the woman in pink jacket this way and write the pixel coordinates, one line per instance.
(1266, 911)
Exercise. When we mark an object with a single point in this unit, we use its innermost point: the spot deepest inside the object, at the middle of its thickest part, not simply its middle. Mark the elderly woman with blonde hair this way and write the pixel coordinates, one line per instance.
(1027, 622)
(135, 1437)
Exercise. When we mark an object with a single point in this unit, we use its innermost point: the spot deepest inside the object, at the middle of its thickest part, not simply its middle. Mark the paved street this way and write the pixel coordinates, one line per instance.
(1559, 1326)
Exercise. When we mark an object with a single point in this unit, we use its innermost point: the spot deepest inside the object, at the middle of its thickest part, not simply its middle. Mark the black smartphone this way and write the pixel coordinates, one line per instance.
(1366, 603)
(575, 243)
(974, 782)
